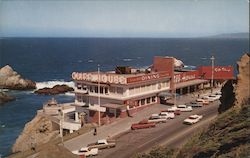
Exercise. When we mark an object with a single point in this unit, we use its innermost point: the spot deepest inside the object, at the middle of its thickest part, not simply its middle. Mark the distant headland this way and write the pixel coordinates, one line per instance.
(231, 35)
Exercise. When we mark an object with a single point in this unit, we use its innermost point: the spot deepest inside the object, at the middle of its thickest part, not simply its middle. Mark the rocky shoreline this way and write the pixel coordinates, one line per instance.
(57, 89)
(10, 79)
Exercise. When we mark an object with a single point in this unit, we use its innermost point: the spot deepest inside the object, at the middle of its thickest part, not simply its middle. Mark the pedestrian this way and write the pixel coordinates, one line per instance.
(95, 132)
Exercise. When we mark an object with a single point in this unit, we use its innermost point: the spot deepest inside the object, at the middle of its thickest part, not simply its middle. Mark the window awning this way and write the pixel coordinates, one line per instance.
(114, 106)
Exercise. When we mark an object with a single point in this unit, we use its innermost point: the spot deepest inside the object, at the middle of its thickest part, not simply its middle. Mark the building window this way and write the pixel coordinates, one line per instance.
(96, 89)
(148, 100)
(143, 102)
(91, 89)
(79, 98)
(101, 90)
(79, 85)
(106, 90)
(112, 89)
(131, 91)
(119, 90)
(138, 102)
(153, 99)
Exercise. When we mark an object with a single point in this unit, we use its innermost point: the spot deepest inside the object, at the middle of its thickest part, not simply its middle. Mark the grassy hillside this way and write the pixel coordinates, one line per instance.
(227, 136)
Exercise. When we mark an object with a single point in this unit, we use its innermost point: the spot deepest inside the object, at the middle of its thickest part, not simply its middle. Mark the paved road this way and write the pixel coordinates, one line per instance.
(173, 133)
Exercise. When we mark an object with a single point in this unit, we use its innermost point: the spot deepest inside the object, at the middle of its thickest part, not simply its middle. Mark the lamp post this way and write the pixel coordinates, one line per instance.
(99, 97)
(61, 124)
(212, 74)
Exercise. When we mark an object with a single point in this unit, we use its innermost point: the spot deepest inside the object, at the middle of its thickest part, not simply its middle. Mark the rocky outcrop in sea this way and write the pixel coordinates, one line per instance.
(5, 98)
(57, 89)
(10, 79)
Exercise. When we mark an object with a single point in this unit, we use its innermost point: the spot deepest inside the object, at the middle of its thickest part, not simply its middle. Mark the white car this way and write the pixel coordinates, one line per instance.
(167, 115)
(195, 104)
(203, 101)
(86, 151)
(164, 115)
(192, 119)
(173, 108)
(184, 108)
(214, 96)
(157, 119)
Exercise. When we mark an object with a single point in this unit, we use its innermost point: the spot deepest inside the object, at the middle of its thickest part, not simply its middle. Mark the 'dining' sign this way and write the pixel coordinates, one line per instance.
(147, 77)
(104, 78)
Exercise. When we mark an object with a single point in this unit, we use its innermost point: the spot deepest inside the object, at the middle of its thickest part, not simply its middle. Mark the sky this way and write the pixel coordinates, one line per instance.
(122, 18)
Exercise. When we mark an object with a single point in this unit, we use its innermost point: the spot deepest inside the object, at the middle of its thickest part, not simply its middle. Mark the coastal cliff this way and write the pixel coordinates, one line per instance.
(10, 79)
(38, 131)
(242, 89)
(229, 134)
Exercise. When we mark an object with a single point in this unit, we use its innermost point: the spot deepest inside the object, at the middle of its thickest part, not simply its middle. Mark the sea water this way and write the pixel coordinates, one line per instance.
(50, 61)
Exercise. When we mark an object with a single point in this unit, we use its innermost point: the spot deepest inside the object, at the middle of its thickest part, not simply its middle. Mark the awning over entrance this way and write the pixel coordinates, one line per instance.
(114, 106)
(165, 94)
(190, 83)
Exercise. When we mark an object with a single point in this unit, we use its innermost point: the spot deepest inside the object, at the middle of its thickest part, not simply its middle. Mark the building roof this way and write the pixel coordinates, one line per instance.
(190, 83)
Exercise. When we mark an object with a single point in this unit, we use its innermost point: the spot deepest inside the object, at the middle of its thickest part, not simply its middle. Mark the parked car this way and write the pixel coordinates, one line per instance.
(184, 108)
(142, 124)
(175, 111)
(102, 144)
(202, 101)
(173, 108)
(192, 119)
(167, 115)
(214, 97)
(86, 151)
(218, 93)
(165, 101)
(157, 119)
(195, 104)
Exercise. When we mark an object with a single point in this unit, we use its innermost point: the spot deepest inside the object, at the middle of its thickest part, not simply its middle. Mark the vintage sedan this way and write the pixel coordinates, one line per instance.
(192, 119)
(86, 151)
(142, 124)
(102, 144)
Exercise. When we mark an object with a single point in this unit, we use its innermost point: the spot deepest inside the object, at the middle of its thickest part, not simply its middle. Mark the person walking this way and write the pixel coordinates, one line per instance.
(95, 132)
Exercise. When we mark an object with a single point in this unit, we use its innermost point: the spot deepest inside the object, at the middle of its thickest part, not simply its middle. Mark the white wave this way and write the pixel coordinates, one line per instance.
(50, 84)
(4, 90)
(70, 94)
(127, 59)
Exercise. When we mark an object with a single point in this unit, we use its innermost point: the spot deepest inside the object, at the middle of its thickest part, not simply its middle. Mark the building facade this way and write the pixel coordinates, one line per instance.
(121, 93)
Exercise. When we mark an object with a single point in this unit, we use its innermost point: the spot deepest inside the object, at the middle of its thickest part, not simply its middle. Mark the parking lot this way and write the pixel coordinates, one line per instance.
(173, 133)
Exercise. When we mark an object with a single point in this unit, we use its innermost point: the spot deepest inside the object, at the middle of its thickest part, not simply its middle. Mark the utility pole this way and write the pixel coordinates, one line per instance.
(99, 97)
(61, 124)
(212, 77)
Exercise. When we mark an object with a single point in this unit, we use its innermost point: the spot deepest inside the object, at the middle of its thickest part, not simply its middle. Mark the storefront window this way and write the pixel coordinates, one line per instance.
(148, 100)
(153, 99)
(143, 102)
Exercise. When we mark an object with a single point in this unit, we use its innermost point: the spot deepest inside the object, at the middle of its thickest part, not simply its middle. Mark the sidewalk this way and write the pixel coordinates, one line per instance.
(122, 125)
(115, 128)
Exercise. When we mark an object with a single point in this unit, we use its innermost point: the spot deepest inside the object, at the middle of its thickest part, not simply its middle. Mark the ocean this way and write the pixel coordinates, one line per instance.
(50, 61)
